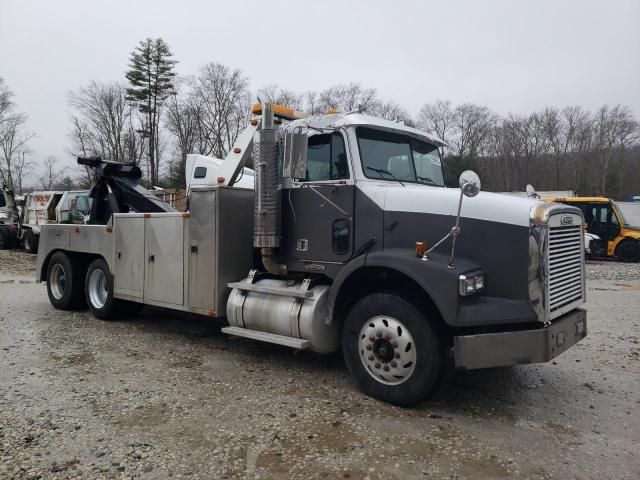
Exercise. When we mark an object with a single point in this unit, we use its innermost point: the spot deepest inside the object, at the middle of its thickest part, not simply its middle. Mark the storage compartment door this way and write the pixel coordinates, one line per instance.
(128, 270)
(202, 250)
(164, 254)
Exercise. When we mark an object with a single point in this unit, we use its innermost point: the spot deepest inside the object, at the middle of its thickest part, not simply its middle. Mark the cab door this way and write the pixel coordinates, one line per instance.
(320, 209)
(603, 222)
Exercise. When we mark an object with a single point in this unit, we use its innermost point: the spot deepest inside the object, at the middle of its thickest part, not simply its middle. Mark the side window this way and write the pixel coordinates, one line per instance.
(326, 158)
(3, 203)
(340, 236)
(200, 172)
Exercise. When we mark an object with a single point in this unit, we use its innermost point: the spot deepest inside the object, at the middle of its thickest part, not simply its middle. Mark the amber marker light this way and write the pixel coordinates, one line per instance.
(421, 248)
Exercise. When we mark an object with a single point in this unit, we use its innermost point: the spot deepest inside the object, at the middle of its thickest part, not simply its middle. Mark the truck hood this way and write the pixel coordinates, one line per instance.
(492, 207)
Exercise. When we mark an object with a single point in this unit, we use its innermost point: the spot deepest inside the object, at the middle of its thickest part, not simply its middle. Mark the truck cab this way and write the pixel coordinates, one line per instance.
(348, 240)
(604, 218)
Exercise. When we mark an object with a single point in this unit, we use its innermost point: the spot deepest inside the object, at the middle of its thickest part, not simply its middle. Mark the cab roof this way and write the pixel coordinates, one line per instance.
(336, 120)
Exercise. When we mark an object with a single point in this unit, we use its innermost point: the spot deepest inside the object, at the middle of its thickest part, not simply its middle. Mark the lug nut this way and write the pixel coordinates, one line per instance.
(372, 338)
(394, 364)
(379, 334)
(395, 344)
(369, 347)
(386, 368)
(397, 355)
(370, 358)
(387, 337)
(377, 365)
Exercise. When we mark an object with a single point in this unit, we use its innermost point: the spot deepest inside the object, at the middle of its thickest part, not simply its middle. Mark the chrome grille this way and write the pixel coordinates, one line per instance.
(565, 265)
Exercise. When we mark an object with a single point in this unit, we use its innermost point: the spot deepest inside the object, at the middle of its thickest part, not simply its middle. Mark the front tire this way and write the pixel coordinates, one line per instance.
(65, 282)
(629, 251)
(392, 350)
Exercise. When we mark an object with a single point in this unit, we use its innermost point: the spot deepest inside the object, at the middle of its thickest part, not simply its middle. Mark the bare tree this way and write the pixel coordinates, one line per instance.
(437, 118)
(472, 125)
(222, 96)
(615, 127)
(20, 167)
(347, 98)
(13, 138)
(285, 97)
(104, 122)
(52, 175)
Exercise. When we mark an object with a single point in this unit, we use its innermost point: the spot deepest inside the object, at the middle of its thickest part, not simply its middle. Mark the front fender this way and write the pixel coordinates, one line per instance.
(433, 276)
(440, 283)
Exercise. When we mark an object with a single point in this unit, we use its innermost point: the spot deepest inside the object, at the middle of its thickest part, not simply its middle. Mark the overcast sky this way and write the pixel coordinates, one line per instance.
(513, 56)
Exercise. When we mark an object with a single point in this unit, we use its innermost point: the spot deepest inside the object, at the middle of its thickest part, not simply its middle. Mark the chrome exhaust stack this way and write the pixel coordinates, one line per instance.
(268, 204)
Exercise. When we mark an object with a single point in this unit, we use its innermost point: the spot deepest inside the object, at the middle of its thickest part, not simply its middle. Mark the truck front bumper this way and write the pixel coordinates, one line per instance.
(488, 350)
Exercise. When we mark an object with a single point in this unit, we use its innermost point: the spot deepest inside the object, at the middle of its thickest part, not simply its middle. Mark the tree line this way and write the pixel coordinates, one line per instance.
(155, 118)
(591, 153)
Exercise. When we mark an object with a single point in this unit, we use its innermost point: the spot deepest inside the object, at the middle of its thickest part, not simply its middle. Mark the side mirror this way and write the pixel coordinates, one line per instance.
(470, 183)
(295, 155)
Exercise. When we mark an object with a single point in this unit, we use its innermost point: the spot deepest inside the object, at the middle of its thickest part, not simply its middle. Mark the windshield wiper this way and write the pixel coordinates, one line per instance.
(386, 172)
(427, 179)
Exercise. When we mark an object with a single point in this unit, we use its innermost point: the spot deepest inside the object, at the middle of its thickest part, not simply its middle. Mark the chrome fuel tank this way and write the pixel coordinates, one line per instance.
(285, 314)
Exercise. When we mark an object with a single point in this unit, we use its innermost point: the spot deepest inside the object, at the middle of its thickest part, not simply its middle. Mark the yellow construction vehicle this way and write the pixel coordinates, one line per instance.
(604, 218)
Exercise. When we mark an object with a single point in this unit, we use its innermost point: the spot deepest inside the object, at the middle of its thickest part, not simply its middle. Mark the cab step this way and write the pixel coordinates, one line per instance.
(292, 342)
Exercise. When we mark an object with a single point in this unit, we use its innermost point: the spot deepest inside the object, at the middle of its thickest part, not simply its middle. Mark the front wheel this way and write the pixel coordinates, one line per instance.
(392, 350)
(629, 251)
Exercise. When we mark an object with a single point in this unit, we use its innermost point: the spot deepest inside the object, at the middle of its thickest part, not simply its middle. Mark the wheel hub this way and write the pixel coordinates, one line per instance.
(387, 350)
(57, 281)
(383, 350)
(98, 289)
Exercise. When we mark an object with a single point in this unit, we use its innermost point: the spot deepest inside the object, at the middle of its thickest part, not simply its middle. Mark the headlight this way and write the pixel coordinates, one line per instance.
(470, 283)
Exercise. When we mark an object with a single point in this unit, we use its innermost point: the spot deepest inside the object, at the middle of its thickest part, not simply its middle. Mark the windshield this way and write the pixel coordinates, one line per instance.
(396, 157)
(620, 214)
(629, 214)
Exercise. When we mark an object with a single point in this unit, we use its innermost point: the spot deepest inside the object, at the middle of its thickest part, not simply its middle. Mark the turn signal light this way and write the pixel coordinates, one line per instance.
(421, 248)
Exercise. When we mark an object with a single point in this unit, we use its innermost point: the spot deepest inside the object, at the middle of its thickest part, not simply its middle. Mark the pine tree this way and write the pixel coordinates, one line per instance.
(150, 78)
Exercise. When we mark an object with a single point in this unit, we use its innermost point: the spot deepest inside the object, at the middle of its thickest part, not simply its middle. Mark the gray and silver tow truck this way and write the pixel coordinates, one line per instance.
(349, 241)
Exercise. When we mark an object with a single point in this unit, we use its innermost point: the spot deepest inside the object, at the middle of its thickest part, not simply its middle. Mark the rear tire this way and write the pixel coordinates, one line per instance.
(65, 282)
(30, 241)
(99, 291)
(629, 251)
(392, 350)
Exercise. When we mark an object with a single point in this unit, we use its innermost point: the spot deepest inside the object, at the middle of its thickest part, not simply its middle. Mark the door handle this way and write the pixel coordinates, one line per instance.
(194, 249)
(152, 258)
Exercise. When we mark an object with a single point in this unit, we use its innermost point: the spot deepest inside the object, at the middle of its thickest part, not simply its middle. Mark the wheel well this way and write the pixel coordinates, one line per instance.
(369, 280)
(83, 258)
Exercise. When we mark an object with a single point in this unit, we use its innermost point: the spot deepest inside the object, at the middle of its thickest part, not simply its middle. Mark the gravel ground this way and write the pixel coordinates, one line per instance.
(17, 262)
(168, 396)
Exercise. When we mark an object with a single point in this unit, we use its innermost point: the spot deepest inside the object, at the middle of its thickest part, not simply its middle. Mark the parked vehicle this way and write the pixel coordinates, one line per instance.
(603, 217)
(9, 218)
(349, 240)
(631, 213)
(40, 208)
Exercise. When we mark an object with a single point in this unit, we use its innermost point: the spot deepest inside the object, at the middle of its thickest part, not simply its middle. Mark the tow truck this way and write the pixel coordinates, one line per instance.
(349, 240)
